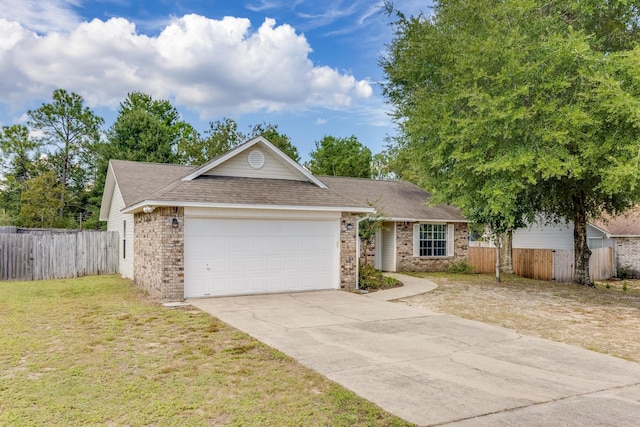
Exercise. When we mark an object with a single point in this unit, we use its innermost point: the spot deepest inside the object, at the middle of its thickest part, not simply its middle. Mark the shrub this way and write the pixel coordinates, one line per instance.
(372, 279)
(627, 272)
(460, 268)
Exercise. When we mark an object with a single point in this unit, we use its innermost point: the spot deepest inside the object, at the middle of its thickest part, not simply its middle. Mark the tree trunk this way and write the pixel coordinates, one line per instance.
(63, 182)
(506, 252)
(497, 242)
(581, 249)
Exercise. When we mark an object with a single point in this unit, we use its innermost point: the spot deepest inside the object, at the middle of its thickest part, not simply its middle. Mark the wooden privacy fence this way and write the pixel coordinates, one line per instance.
(544, 264)
(58, 256)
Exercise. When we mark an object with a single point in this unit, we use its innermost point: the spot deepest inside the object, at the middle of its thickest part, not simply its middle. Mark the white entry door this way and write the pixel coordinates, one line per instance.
(253, 256)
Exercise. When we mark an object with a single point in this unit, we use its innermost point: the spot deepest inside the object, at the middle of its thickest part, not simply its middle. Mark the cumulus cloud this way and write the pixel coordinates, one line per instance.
(212, 66)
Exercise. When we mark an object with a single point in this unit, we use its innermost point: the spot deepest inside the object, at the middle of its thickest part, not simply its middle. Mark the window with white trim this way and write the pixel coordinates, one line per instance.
(124, 239)
(433, 240)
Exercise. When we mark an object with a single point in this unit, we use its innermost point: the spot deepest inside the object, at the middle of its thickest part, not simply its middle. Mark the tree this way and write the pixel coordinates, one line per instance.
(41, 201)
(367, 229)
(280, 140)
(340, 157)
(396, 161)
(18, 164)
(516, 108)
(71, 130)
(146, 130)
(222, 136)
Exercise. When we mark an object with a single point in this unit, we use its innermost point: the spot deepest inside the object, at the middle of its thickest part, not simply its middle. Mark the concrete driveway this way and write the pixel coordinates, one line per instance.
(434, 369)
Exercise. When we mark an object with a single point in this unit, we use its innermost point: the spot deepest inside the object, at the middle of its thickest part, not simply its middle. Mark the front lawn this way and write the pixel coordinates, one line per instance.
(95, 351)
(603, 319)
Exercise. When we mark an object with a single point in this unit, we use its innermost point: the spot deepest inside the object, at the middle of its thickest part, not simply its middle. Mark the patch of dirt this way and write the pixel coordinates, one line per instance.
(604, 319)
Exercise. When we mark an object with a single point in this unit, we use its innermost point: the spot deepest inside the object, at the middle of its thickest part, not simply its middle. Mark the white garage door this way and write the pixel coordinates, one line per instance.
(246, 256)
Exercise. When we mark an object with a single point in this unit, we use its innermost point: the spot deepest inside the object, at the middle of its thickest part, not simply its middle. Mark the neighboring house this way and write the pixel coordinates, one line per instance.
(254, 221)
(621, 233)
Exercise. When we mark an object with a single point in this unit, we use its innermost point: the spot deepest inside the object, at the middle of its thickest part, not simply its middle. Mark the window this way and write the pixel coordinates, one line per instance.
(594, 242)
(433, 240)
(124, 239)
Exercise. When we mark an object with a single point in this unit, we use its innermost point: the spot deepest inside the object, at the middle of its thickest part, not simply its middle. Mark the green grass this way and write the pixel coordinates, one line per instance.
(95, 351)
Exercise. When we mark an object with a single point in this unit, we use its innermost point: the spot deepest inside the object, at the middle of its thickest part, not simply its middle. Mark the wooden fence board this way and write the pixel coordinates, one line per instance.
(601, 264)
(544, 264)
(563, 265)
(533, 263)
(483, 260)
(57, 255)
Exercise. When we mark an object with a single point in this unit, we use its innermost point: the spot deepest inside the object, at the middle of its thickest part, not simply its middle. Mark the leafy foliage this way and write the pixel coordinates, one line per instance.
(372, 279)
(222, 136)
(515, 108)
(41, 201)
(340, 157)
(461, 267)
(280, 140)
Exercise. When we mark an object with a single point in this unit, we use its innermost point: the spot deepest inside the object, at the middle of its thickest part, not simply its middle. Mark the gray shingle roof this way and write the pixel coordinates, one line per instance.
(139, 182)
(252, 191)
(158, 182)
(136, 180)
(393, 199)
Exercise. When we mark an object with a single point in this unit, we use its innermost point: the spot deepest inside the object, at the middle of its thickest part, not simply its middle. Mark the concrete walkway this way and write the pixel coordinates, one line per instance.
(435, 369)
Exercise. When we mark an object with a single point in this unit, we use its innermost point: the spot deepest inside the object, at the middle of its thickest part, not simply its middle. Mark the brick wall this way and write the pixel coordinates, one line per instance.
(348, 255)
(628, 252)
(405, 261)
(159, 253)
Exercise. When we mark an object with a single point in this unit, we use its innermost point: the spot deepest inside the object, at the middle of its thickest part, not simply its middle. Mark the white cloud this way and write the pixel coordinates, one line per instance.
(211, 66)
(42, 16)
(321, 121)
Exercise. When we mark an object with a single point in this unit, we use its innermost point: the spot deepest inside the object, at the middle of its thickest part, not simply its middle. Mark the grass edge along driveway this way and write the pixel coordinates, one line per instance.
(96, 351)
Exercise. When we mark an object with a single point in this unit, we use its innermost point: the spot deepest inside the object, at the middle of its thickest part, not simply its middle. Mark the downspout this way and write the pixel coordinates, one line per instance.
(358, 254)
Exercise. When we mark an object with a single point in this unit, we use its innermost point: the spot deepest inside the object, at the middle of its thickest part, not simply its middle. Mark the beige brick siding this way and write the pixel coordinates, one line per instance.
(159, 253)
(405, 261)
(348, 252)
(628, 252)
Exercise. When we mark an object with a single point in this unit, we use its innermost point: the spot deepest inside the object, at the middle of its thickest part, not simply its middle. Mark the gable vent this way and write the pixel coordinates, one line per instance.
(256, 159)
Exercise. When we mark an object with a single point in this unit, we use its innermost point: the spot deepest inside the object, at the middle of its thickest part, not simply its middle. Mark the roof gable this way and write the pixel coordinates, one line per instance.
(257, 158)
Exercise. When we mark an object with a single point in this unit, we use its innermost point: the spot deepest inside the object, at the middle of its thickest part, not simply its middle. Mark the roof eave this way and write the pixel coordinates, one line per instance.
(426, 220)
(136, 208)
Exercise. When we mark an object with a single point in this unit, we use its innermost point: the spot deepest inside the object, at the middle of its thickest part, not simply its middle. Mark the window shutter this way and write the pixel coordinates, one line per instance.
(450, 239)
(416, 240)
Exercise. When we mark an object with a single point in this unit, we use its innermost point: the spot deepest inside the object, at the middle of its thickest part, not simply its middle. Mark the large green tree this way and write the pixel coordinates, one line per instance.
(147, 130)
(514, 108)
(69, 132)
(340, 157)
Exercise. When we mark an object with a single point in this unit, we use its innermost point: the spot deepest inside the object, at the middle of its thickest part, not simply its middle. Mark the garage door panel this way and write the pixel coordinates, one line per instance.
(235, 257)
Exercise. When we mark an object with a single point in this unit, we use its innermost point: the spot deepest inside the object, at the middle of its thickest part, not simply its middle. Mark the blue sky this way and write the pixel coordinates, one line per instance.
(309, 66)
